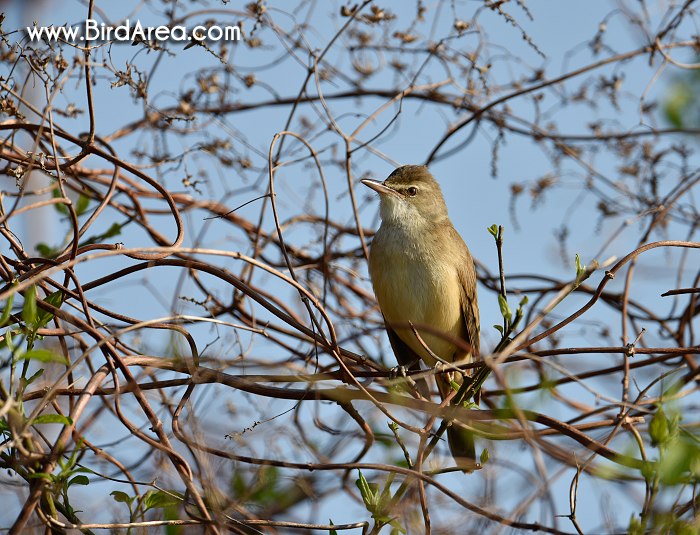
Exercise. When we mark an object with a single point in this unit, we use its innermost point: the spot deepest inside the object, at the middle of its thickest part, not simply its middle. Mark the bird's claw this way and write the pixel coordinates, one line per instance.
(401, 371)
(443, 369)
(397, 371)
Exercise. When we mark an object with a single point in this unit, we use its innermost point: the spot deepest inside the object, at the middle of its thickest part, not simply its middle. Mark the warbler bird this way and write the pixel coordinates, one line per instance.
(423, 273)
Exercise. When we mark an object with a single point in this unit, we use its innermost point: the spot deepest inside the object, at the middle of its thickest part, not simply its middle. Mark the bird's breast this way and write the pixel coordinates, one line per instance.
(419, 283)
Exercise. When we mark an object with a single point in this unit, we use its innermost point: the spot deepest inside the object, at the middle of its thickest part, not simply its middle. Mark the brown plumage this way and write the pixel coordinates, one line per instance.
(423, 272)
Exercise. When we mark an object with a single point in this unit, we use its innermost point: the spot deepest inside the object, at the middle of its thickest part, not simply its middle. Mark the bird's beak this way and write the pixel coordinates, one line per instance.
(380, 188)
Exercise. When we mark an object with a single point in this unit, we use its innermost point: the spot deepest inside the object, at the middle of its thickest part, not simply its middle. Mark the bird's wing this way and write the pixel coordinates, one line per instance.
(470, 306)
(405, 356)
(462, 441)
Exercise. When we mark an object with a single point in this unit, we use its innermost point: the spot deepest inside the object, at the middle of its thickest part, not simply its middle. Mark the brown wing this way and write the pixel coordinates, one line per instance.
(460, 440)
(405, 356)
(470, 306)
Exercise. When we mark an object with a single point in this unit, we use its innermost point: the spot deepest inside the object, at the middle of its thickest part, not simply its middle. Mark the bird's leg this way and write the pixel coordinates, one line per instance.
(401, 371)
(446, 376)
(416, 387)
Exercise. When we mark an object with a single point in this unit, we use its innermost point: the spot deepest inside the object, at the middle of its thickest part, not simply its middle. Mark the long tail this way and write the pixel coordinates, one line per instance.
(460, 440)
(461, 444)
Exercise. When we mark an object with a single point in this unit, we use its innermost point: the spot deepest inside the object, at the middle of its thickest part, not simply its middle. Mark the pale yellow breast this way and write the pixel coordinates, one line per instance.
(412, 285)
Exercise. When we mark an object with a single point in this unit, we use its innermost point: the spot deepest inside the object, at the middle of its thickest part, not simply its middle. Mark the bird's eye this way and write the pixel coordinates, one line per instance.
(412, 191)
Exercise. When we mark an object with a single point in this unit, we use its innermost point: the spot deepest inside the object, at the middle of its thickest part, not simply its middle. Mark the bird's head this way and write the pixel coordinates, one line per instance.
(409, 196)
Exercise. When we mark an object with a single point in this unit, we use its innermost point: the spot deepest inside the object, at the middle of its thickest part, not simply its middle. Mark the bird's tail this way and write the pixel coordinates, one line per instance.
(460, 440)
(461, 444)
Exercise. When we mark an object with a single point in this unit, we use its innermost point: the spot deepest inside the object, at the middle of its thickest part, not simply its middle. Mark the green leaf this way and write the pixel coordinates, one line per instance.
(56, 300)
(680, 98)
(44, 355)
(385, 497)
(635, 526)
(332, 531)
(547, 383)
(363, 485)
(583, 272)
(369, 493)
(505, 309)
(673, 425)
(26, 382)
(672, 390)
(239, 485)
(679, 462)
(154, 499)
(52, 419)
(580, 269)
(396, 528)
(493, 230)
(40, 475)
(112, 231)
(29, 313)
(62, 208)
(266, 486)
(484, 457)
(172, 513)
(121, 497)
(46, 251)
(7, 310)
(499, 328)
(377, 503)
(9, 340)
(82, 204)
(648, 470)
(79, 480)
(659, 428)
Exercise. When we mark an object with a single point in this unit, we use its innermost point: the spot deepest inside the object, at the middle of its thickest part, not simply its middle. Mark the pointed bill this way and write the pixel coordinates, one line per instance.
(380, 188)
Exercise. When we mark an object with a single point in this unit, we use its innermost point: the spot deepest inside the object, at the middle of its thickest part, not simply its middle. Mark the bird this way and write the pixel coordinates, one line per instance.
(422, 272)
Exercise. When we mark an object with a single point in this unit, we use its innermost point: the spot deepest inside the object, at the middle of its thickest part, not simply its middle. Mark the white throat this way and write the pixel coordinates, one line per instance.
(396, 212)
